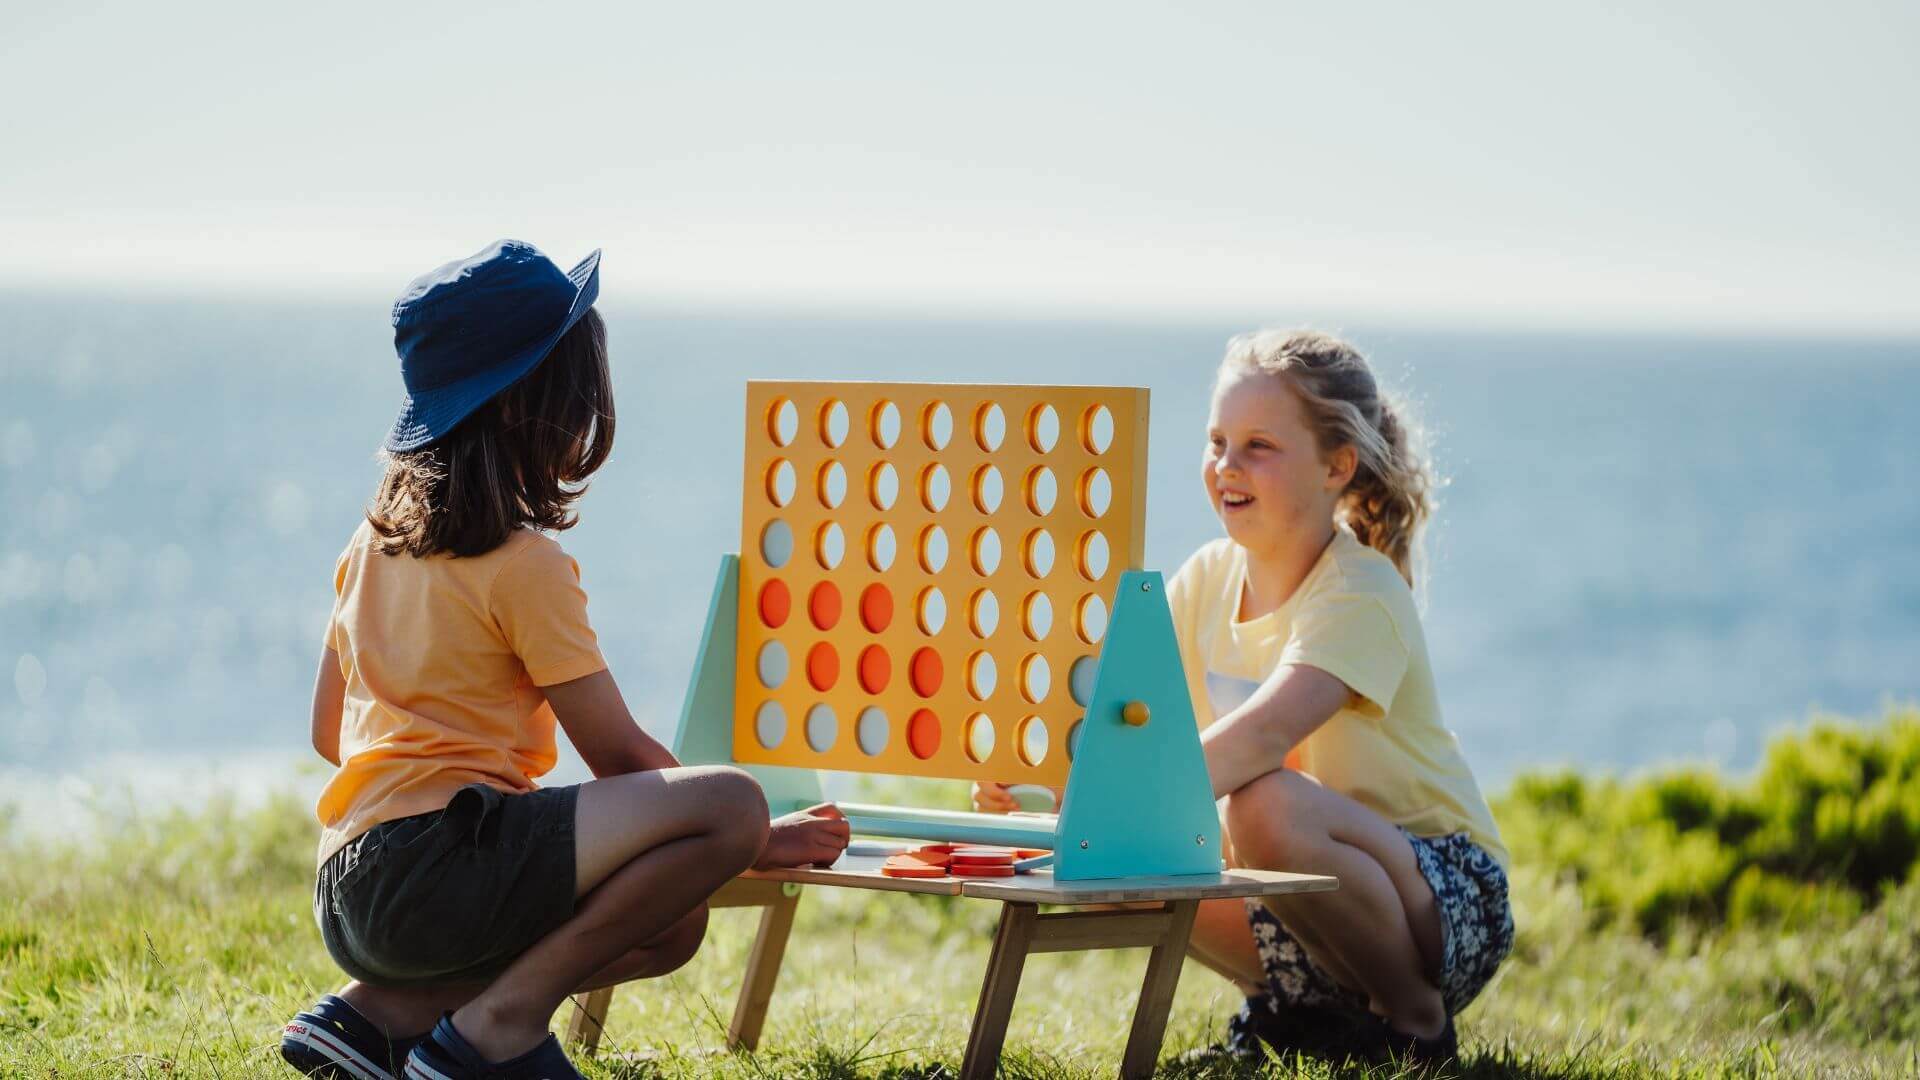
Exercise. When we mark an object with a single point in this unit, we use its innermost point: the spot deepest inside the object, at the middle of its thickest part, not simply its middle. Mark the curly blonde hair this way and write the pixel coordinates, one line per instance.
(1391, 495)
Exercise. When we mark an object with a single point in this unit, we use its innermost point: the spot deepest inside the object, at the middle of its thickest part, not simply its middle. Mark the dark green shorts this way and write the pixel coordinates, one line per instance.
(451, 896)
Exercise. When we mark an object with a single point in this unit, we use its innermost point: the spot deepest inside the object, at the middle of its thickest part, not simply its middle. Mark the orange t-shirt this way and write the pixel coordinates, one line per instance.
(444, 659)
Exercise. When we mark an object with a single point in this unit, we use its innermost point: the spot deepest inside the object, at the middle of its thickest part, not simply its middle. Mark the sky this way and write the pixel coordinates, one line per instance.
(1715, 165)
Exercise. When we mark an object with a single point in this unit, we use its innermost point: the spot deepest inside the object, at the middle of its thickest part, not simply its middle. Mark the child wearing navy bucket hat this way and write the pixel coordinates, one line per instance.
(465, 902)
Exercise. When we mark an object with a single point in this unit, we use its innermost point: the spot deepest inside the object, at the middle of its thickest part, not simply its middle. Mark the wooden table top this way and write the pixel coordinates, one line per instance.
(1038, 887)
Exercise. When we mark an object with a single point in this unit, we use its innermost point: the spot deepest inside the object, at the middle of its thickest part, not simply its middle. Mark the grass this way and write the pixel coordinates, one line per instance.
(178, 944)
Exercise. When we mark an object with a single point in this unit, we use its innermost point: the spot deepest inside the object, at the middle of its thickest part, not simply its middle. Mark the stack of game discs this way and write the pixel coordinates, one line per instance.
(959, 860)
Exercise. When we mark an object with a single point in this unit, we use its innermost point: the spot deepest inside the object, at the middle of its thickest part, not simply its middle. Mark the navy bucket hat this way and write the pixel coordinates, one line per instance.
(476, 326)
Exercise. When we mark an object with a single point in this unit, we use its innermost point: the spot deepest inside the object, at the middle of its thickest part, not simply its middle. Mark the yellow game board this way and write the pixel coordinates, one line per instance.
(926, 572)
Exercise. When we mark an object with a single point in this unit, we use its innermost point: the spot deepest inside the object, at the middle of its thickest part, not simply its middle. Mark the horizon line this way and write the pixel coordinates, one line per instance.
(850, 305)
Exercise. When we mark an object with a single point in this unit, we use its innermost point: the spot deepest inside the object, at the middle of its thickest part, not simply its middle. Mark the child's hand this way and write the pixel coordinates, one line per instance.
(992, 798)
(817, 834)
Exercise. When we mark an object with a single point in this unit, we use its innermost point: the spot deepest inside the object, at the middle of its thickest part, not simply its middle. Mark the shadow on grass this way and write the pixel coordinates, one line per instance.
(822, 1062)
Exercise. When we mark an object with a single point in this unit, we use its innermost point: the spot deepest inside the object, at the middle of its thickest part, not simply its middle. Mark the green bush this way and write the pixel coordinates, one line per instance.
(1828, 824)
(1758, 898)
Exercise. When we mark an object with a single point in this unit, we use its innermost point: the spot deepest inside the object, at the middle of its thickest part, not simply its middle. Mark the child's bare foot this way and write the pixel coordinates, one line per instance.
(817, 834)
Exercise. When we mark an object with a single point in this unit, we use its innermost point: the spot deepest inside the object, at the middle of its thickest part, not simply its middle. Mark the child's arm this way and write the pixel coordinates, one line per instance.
(595, 718)
(329, 695)
(1253, 740)
(597, 721)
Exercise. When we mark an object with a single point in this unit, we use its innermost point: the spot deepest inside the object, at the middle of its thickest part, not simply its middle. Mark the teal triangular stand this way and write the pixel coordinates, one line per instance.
(705, 735)
(1138, 799)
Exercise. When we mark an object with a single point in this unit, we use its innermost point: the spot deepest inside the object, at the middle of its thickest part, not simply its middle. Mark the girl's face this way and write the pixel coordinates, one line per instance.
(1264, 472)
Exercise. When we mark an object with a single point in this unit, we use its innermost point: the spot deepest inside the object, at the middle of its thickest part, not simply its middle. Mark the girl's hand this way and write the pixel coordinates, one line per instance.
(817, 834)
(992, 798)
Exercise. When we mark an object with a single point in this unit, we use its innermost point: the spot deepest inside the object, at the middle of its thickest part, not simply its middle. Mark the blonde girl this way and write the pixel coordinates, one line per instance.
(1320, 721)
(1321, 724)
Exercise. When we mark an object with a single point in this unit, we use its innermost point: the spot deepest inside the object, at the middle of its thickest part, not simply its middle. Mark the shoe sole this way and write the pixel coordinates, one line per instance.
(416, 1070)
(316, 1053)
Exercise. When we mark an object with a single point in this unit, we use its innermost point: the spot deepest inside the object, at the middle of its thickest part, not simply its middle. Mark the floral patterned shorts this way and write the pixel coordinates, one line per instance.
(1476, 923)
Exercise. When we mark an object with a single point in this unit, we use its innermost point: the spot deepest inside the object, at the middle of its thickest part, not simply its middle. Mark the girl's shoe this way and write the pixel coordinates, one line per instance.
(1441, 1049)
(1220, 1057)
(334, 1042)
(1320, 1031)
(445, 1055)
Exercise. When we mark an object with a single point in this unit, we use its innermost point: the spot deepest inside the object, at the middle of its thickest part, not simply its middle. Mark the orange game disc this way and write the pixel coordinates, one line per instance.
(923, 734)
(912, 870)
(973, 861)
(876, 608)
(823, 666)
(914, 864)
(775, 603)
(982, 871)
(924, 672)
(923, 857)
(1030, 852)
(823, 605)
(876, 669)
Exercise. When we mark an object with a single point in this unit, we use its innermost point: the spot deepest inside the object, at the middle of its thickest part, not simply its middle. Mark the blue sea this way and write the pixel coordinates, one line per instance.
(1651, 548)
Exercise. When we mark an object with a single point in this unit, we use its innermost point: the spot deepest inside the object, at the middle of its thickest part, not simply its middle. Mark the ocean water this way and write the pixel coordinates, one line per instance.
(1650, 548)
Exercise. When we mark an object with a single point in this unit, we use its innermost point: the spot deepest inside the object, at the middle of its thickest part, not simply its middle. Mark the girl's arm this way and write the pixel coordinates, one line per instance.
(1254, 739)
(329, 694)
(597, 722)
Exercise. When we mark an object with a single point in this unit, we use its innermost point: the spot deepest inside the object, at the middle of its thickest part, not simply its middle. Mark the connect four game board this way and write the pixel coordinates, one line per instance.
(927, 570)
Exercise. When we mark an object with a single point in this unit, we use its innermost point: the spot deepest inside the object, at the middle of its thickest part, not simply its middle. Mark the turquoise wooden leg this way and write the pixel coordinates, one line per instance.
(705, 734)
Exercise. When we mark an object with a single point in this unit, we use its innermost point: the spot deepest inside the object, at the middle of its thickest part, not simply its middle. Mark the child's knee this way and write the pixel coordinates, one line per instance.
(1270, 845)
(738, 815)
(1267, 822)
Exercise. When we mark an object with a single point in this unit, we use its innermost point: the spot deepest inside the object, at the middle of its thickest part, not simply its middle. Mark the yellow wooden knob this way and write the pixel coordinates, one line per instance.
(1136, 713)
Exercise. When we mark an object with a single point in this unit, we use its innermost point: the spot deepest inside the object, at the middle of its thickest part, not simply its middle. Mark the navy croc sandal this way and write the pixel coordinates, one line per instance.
(445, 1055)
(334, 1042)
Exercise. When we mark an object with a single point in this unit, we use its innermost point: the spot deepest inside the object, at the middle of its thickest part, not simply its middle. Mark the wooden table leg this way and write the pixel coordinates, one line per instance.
(778, 899)
(589, 1019)
(763, 969)
(997, 990)
(1156, 992)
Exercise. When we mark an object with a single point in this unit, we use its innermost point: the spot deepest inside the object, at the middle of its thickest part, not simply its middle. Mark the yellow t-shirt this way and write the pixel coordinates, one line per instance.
(1353, 618)
(444, 659)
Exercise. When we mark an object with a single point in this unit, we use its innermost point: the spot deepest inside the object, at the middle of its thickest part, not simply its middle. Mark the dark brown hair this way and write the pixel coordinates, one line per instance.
(520, 459)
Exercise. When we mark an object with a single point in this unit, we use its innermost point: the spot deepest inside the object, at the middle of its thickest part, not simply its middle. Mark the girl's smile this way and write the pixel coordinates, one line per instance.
(1263, 470)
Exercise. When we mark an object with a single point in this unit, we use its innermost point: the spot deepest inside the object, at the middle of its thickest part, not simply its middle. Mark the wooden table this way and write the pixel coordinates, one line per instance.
(1089, 923)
